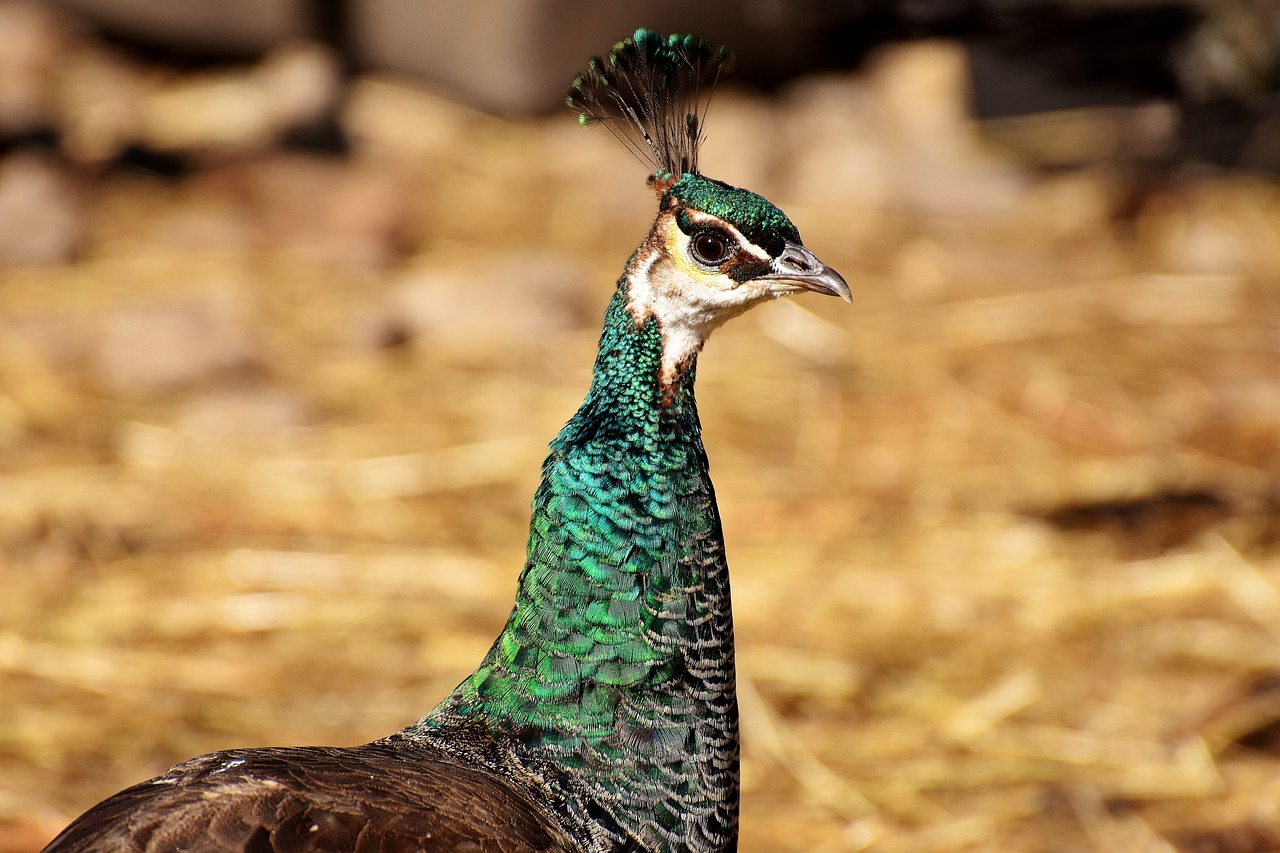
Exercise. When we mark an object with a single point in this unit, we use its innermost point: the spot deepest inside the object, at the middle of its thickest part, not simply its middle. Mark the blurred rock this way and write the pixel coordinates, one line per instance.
(922, 92)
(41, 211)
(109, 102)
(846, 159)
(211, 27)
(517, 56)
(303, 81)
(169, 343)
(515, 300)
(101, 104)
(509, 56)
(295, 83)
(901, 136)
(32, 41)
(327, 209)
(745, 142)
(391, 118)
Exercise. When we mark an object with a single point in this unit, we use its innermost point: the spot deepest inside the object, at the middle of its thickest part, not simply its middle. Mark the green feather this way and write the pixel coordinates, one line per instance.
(625, 575)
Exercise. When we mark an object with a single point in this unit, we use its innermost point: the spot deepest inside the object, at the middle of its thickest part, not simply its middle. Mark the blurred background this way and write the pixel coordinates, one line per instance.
(293, 294)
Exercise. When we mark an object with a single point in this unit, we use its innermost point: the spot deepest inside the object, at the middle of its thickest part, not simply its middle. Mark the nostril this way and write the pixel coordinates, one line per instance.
(797, 262)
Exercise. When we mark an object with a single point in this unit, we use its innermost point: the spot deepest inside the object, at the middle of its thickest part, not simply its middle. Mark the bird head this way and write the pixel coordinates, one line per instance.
(729, 239)
(715, 250)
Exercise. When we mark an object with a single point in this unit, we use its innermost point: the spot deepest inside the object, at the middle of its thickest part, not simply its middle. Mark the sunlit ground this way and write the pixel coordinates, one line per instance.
(1003, 532)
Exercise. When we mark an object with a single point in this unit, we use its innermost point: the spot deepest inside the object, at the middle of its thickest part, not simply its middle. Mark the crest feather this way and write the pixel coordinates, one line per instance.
(652, 93)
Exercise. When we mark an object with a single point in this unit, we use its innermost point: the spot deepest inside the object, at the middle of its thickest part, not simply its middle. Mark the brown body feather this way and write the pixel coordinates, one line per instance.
(382, 797)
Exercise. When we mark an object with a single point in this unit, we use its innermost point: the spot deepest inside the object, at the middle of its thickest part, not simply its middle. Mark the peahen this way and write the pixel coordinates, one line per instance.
(604, 717)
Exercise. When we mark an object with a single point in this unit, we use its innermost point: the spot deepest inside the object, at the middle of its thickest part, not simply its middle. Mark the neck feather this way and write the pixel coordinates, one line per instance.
(616, 663)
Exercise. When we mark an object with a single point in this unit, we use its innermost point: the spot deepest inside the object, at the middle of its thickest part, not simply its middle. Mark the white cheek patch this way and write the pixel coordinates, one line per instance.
(656, 291)
(688, 302)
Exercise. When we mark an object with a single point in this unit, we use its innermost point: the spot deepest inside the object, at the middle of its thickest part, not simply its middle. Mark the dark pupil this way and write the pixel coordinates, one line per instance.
(710, 248)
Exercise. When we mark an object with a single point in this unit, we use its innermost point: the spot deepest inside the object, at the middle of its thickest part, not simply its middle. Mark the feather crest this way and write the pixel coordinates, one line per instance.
(652, 94)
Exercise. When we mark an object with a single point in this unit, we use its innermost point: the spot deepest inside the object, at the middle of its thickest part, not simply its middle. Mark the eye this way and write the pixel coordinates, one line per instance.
(711, 247)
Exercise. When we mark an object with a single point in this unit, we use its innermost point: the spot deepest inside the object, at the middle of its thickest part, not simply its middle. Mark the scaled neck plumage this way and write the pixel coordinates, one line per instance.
(615, 668)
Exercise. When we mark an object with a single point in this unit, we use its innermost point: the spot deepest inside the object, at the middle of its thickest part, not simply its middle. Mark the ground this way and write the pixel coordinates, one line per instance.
(1003, 533)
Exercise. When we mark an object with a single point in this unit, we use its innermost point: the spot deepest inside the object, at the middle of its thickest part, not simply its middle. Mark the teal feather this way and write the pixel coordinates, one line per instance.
(624, 605)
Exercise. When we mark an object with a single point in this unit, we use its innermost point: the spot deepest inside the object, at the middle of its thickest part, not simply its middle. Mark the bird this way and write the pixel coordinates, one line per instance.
(604, 717)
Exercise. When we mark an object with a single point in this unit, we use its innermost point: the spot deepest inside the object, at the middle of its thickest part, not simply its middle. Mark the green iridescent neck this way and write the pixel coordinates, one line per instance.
(604, 532)
(626, 401)
(616, 664)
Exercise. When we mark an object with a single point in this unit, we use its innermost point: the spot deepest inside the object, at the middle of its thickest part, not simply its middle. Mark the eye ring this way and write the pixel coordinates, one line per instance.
(711, 247)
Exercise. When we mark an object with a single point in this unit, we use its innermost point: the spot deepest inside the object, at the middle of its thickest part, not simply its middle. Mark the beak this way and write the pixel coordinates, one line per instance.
(799, 267)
